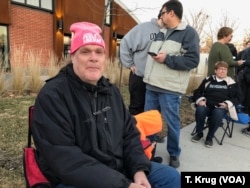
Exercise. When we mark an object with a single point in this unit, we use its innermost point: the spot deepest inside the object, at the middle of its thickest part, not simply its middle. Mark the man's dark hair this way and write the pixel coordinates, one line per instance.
(232, 49)
(159, 15)
(174, 5)
(224, 32)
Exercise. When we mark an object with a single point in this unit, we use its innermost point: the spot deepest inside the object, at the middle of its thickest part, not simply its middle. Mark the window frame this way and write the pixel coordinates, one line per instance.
(39, 6)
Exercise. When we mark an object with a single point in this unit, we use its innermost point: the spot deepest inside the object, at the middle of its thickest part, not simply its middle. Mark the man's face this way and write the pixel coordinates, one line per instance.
(229, 38)
(89, 63)
(164, 16)
(248, 45)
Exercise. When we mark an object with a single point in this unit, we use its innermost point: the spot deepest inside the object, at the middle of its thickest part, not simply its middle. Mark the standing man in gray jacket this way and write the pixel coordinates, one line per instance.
(133, 55)
(167, 74)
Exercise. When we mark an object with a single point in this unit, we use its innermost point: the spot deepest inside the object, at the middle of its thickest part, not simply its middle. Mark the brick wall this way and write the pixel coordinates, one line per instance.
(31, 30)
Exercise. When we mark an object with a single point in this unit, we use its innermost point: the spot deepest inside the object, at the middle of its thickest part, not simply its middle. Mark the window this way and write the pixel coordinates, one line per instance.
(4, 49)
(47, 4)
(19, 1)
(40, 4)
(33, 2)
(108, 12)
(66, 42)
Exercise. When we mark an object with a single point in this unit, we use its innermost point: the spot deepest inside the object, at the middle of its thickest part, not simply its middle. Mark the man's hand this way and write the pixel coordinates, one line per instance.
(140, 181)
(223, 105)
(202, 103)
(133, 68)
(160, 58)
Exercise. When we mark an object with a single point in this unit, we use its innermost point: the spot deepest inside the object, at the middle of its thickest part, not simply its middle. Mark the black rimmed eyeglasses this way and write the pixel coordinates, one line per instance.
(163, 12)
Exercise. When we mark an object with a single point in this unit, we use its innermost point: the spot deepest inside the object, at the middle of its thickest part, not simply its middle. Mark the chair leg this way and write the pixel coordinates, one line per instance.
(193, 132)
(228, 130)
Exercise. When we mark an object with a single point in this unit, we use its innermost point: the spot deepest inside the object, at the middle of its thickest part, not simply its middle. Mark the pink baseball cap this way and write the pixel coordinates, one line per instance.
(85, 33)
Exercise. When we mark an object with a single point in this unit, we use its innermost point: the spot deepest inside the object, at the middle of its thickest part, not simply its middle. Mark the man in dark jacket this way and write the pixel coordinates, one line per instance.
(84, 135)
(216, 95)
(245, 86)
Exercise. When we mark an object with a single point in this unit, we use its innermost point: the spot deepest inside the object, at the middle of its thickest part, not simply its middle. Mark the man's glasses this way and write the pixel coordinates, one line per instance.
(222, 69)
(163, 12)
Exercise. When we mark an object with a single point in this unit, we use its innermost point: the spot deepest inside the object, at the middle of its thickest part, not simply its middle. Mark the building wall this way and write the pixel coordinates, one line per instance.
(30, 30)
(93, 11)
(4, 11)
(36, 30)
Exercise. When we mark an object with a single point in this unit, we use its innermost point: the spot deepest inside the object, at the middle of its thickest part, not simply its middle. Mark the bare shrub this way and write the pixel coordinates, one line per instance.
(116, 73)
(54, 65)
(2, 83)
(34, 80)
(125, 76)
(18, 83)
(194, 82)
(29, 71)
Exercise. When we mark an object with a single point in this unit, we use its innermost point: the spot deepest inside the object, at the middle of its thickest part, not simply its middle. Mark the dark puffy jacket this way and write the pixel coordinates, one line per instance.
(246, 65)
(245, 80)
(84, 135)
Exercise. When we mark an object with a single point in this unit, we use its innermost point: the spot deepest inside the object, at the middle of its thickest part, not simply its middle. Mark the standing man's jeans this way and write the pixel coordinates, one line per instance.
(160, 176)
(169, 105)
(215, 116)
(137, 89)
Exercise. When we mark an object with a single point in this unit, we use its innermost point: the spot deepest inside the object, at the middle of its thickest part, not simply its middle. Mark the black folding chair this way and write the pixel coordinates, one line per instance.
(227, 128)
(227, 125)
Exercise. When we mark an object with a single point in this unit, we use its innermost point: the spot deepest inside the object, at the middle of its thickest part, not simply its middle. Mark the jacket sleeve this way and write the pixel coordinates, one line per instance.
(226, 56)
(128, 47)
(246, 56)
(237, 94)
(135, 158)
(132, 43)
(126, 53)
(199, 92)
(54, 138)
(190, 54)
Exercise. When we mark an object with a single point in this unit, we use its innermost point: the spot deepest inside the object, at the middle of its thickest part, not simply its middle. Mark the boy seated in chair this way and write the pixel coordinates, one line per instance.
(216, 95)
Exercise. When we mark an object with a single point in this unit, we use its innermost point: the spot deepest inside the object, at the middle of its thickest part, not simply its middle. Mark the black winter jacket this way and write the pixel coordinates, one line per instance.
(245, 80)
(84, 135)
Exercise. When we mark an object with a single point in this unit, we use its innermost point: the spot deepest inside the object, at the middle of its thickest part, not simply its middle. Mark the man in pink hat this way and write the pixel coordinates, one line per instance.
(84, 135)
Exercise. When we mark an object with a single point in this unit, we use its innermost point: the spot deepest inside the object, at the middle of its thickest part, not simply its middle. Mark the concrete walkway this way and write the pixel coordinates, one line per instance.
(232, 155)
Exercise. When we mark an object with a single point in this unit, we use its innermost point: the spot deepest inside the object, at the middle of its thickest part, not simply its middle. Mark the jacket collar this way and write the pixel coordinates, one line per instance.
(101, 87)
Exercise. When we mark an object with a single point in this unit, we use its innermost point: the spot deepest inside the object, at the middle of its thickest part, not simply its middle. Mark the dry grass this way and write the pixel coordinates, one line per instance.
(13, 126)
(18, 83)
(2, 83)
(54, 65)
(26, 78)
(28, 72)
(116, 73)
(34, 82)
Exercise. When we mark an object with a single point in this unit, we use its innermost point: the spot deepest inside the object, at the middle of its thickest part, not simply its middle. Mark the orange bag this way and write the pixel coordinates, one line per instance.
(148, 123)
